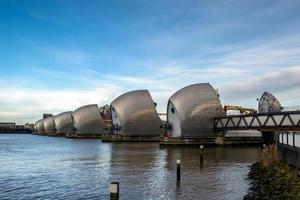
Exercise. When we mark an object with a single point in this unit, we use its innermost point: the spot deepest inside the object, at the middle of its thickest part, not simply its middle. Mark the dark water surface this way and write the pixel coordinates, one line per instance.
(40, 167)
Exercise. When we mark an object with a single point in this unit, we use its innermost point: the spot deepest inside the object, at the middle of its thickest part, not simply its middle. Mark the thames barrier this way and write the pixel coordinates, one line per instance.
(194, 116)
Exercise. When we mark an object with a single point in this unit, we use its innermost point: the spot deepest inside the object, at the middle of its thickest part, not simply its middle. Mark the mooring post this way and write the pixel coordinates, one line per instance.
(114, 191)
(201, 154)
(178, 170)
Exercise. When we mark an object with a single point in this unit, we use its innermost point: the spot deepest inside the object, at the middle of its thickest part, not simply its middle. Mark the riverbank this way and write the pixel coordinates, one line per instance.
(278, 181)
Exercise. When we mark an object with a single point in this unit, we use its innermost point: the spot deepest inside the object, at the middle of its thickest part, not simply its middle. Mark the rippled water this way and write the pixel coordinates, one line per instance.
(39, 167)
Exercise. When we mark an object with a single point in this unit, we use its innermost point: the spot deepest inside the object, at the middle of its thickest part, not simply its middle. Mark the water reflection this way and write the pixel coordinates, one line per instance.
(57, 168)
(221, 177)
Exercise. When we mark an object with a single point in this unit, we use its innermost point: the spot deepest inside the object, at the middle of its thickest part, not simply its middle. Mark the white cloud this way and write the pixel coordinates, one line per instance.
(23, 104)
(283, 83)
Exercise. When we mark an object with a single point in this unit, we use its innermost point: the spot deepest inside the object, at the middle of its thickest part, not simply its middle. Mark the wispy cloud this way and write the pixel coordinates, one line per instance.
(75, 74)
(70, 56)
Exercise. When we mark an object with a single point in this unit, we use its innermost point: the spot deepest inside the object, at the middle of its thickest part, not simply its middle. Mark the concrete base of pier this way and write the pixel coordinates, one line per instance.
(116, 138)
(57, 135)
(242, 140)
(41, 134)
(83, 136)
(212, 141)
(188, 141)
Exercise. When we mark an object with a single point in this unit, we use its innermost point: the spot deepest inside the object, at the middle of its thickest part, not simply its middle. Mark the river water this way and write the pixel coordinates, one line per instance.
(40, 167)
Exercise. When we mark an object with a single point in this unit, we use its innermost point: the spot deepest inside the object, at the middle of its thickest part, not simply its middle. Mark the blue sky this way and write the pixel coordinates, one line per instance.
(58, 55)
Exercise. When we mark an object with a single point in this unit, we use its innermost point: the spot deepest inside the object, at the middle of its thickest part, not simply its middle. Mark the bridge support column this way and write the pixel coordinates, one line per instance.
(268, 137)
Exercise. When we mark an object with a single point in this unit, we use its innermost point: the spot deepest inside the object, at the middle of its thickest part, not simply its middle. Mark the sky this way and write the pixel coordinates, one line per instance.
(59, 55)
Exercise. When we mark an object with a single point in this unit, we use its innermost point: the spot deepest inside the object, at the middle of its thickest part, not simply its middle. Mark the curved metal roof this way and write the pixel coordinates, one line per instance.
(40, 127)
(64, 122)
(49, 125)
(196, 106)
(268, 103)
(137, 114)
(87, 120)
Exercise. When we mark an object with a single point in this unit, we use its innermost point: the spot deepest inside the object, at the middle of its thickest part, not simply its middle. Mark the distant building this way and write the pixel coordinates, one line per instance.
(106, 116)
(105, 112)
(7, 127)
(20, 127)
(29, 126)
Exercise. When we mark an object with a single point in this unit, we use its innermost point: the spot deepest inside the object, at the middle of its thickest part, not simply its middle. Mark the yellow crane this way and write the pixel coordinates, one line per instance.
(239, 108)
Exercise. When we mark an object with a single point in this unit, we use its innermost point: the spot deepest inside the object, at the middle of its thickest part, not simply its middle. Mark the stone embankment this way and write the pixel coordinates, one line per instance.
(272, 178)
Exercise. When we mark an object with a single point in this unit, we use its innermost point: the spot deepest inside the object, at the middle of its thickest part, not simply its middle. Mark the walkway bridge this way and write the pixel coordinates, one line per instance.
(267, 122)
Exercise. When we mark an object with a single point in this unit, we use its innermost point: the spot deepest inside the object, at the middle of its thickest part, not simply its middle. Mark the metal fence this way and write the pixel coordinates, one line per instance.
(289, 138)
(291, 108)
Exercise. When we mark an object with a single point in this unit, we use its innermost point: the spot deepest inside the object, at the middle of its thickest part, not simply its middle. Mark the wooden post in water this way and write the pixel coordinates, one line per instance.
(114, 191)
(201, 155)
(178, 170)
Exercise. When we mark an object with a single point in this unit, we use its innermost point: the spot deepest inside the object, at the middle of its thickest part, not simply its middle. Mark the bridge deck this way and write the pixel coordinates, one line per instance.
(262, 121)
